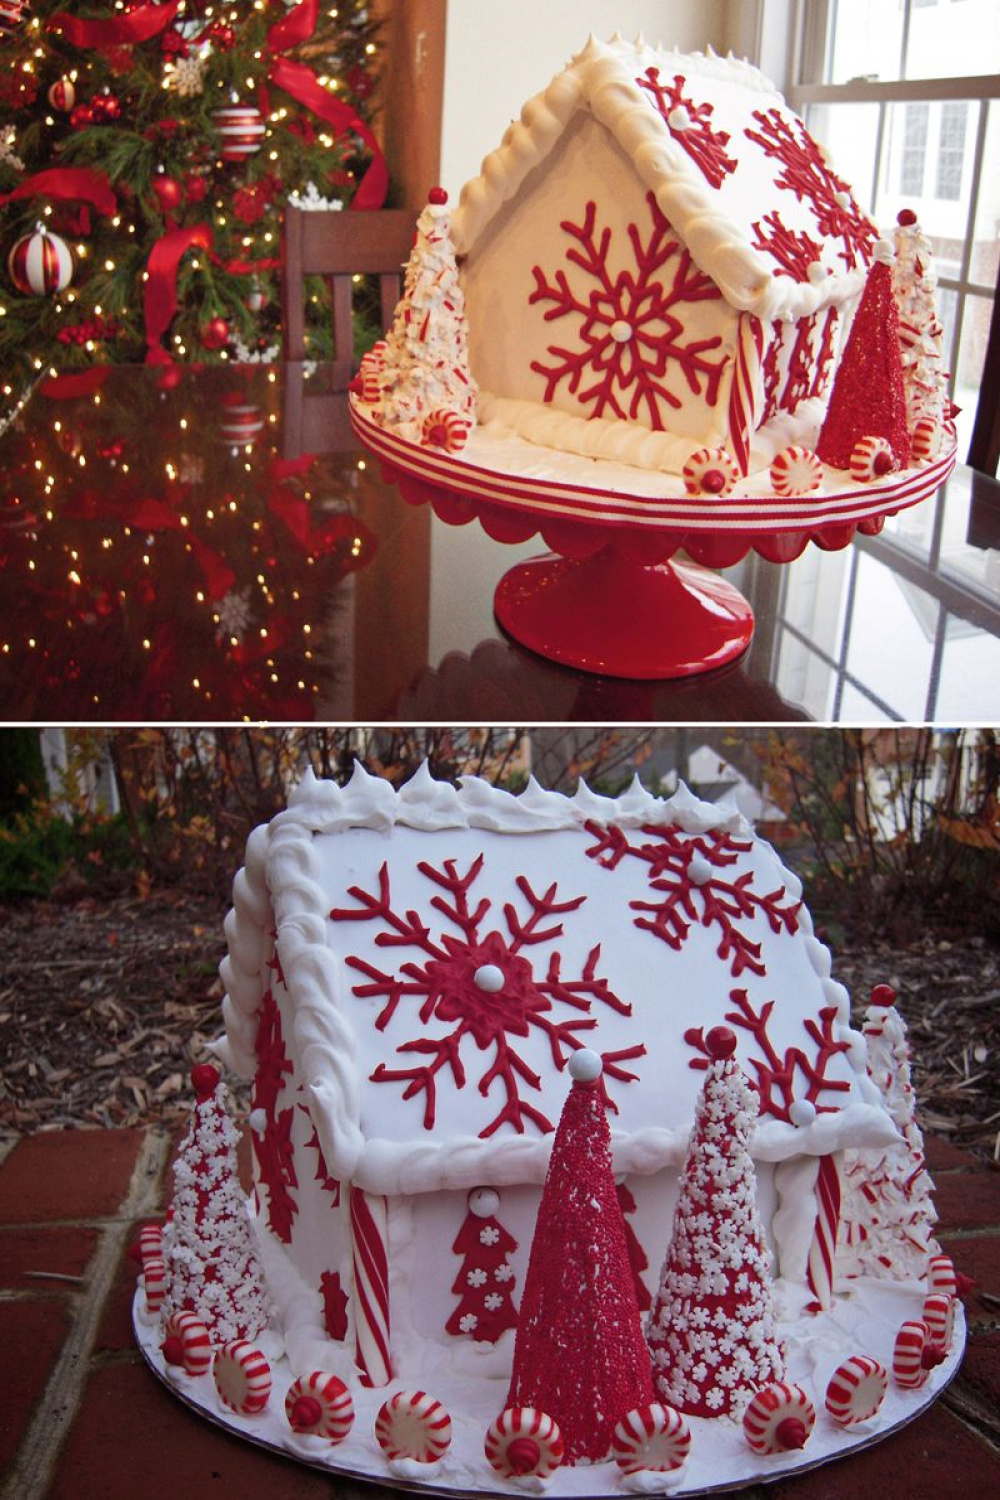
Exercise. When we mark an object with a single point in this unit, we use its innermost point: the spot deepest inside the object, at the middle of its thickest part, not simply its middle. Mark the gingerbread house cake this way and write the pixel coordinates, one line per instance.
(566, 1154)
(659, 284)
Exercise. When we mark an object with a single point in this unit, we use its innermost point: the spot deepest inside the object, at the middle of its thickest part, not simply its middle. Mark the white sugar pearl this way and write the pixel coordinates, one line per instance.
(802, 1112)
(621, 331)
(585, 1066)
(699, 870)
(816, 271)
(258, 1121)
(882, 251)
(678, 118)
(489, 978)
(842, 199)
(484, 1202)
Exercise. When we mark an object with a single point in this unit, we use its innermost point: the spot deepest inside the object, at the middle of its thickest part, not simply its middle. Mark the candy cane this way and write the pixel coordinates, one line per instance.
(745, 390)
(819, 1271)
(369, 1215)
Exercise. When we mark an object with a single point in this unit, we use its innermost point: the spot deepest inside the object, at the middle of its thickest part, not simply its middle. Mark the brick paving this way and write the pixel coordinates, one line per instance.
(82, 1417)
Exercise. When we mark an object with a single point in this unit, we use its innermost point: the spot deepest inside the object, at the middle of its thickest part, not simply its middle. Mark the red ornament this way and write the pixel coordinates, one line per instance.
(868, 399)
(169, 192)
(62, 95)
(215, 334)
(906, 217)
(195, 187)
(105, 108)
(40, 264)
(81, 116)
(241, 129)
(224, 36)
(359, 82)
(205, 1080)
(437, 196)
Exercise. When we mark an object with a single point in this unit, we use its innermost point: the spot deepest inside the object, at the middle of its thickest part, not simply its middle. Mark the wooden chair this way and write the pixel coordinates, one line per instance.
(339, 245)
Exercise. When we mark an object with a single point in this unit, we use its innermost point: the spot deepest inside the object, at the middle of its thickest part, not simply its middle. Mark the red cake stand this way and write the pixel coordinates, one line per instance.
(607, 597)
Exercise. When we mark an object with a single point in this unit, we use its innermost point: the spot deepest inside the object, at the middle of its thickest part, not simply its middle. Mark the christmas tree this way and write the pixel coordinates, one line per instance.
(156, 145)
(579, 1355)
(914, 285)
(485, 1282)
(712, 1330)
(212, 1266)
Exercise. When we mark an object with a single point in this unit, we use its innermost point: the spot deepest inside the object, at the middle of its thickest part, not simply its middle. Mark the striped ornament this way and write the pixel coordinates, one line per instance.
(745, 396)
(186, 1342)
(941, 1275)
(711, 472)
(13, 13)
(154, 1282)
(62, 95)
(370, 1260)
(819, 1268)
(651, 1437)
(910, 1363)
(445, 429)
(40, 264)
(320, 1404)
(242, 1377)
(524, 1441)
(413, 1425)
(779, 1419)
(241, 424)
(796, 471)
(871, 458)
(856, 1390)
(242, 130)
(939, 1315)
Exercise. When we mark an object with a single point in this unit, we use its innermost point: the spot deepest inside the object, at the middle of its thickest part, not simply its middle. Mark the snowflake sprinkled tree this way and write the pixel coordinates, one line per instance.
(690, 869)
(712, 1330)
(211, 1262)
(914, 285)
(484, 983)
(485, 1281)
(632, 337)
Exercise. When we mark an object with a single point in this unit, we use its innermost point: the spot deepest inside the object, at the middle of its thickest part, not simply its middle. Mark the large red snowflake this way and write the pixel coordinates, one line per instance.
(273, 1145)
(631, 339)
(690, 125)
(805, 173)
(795, 253)
(689, 872)
(445, 984)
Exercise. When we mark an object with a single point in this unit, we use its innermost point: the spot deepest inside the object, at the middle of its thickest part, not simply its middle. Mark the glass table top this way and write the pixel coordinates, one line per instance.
(193, 544)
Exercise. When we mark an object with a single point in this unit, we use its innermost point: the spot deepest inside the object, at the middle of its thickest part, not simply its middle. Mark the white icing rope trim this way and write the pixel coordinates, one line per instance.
(822, 1251)
(370, 1259)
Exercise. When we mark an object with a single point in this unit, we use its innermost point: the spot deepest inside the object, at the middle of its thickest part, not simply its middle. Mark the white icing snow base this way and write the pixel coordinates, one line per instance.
(863, 1320)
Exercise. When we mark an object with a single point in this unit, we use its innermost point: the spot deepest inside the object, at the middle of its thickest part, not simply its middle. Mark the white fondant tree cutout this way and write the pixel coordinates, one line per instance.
(712, 1330)
(426, 364)
(485, 1281)
(888, 1217)
(914, 284)
(211, 1261)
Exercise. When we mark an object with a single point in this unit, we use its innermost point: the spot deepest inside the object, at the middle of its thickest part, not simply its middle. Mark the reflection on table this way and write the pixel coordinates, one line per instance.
(209, 543)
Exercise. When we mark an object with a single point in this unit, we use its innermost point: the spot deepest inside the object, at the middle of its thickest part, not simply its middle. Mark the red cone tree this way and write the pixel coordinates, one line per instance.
(867, 398)
(579, 1355)
(712, 1330)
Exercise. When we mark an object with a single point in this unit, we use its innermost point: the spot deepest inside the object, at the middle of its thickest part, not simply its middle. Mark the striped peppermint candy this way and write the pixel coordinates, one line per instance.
(40, 264)
(779, 1418)
(796, 471)
(651, 1437)
(242, 129)
(524, 1441)
(154, 1281)
(871, 458)
(856, 1390)
(914, 1355)
(412, 1424)
(186, 1342)
(150, 1242)
(710, 471)
(939, 1315)
(925, 439)
(242, 1377)
(445, 429)
(941, 1275)
(320, 1404)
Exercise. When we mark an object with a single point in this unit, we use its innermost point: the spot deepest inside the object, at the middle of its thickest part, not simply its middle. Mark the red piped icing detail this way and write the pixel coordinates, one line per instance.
(335, 1304)
(320, 1404)
(691, 126)
(794, 252)
(485, 1281)
(628, 378)
(524, 1441)
(780, 1418)
(856, 1390)
(273, 1145)
(868, 398)
(579, 1353)
(636, 1255)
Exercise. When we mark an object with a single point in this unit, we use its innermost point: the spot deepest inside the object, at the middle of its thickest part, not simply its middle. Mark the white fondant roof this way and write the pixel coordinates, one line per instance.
(716, 223)
(363, 989)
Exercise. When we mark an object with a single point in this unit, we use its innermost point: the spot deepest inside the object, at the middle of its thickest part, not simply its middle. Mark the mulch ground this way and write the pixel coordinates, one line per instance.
(105, 1006)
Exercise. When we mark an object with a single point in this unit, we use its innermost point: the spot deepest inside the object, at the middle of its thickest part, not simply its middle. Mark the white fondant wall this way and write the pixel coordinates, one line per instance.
(497, 56)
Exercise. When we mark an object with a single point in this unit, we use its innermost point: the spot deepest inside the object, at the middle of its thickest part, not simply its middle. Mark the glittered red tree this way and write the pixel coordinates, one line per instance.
(712, 1330)
(485, 1282)
(579, 1355)
(867, 398)
(211, 1262)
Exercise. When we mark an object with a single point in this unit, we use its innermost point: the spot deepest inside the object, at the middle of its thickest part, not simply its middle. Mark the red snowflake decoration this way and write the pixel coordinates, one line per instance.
(795, 253)
(775, 1076)
(335, 1304)
(799, 378)
(273, 1146)
(631, 337)
(445, 983)
(806, 174)
(329, 1183)
(689, 870)
(691, 126)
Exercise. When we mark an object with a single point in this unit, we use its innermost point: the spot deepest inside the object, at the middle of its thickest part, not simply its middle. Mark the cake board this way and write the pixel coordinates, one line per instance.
(608, 597)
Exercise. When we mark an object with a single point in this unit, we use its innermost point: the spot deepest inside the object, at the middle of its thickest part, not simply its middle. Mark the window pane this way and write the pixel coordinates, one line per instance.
(911, 170)
(951, 139)
(986, 244)
(952, 41)
(969, 370)
(866, 38)
(951, 149)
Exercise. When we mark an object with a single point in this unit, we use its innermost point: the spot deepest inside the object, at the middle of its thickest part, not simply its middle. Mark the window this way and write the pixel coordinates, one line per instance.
(911, 173)
(951, 150)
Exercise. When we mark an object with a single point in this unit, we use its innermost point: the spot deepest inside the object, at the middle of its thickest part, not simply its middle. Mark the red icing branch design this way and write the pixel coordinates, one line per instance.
(690, 125)
(772, 371)
(795, 253)
(806, 174)
(799, 375)
(775, 1076)
(690, 871)
(483, 986)
(273, 1145)
(335, 1304)
(322, 1176)
(821, 369)
(631, 338)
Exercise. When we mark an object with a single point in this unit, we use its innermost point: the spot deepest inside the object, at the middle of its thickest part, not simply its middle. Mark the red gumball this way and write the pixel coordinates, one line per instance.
(169, 192)
(215, 334)
(359, 82)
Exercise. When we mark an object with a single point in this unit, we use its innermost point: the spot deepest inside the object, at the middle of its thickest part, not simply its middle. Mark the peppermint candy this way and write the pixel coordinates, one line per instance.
(856, 1390)
(524, 1441)
(710, 471)
(941, 1275)
(872, 458)
(914, 1355)
(320, 1404)
(150, 1242)
(925, 439)
(242, 1377)
(779, 1418)
(939, 1315)
(445, 429)
(413, 1425)
(651, 1437)
(154, 1281)
(796, 471)
(186, 1343)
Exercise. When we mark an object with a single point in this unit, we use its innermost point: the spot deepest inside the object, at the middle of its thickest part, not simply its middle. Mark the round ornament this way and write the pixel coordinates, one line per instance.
(215, 333)
(241, 424)
(105, 107)
(81, 116)
(62, 95)
(241, 130)
(359, 82)
(169, 192)
(40, 264)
